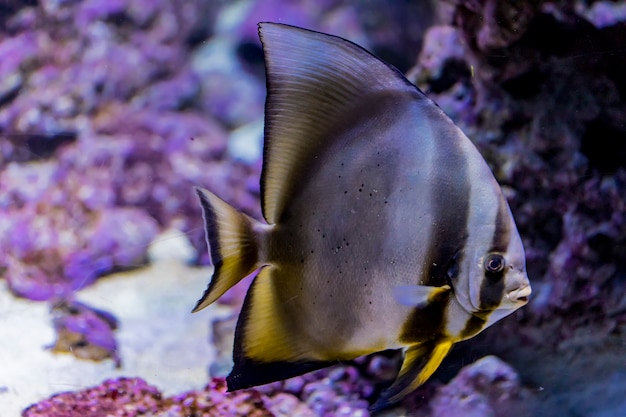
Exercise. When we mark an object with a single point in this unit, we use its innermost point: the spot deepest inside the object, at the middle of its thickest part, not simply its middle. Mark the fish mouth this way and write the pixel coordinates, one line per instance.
(520, 296)
(511, 302)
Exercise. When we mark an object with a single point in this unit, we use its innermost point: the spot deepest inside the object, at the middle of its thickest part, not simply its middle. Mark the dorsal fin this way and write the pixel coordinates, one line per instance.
(313, 81)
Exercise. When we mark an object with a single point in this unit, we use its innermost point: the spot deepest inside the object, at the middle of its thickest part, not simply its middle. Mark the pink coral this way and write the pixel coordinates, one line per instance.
(131, 397)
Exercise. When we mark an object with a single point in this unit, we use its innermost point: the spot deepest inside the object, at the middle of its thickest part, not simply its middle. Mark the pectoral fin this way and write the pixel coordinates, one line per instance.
(420, 361)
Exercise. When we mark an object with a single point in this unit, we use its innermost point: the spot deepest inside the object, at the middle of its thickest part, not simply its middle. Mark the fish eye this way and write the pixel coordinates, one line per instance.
(494, 263)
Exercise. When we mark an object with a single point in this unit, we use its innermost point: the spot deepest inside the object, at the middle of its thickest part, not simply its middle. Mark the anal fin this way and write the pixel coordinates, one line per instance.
(420, 362)
(250, 373)
(267, 347)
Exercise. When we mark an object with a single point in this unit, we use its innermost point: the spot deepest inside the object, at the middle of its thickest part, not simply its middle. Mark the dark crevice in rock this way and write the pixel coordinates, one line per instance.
(604, 145)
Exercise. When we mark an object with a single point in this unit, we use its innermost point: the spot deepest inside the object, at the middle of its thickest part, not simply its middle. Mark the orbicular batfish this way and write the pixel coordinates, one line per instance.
(383, 227)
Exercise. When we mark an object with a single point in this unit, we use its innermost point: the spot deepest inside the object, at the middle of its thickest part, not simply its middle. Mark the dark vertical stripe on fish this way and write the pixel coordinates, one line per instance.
(450, 201)
(492, 286)
(502, 232)
(426, 322)
(474, 325)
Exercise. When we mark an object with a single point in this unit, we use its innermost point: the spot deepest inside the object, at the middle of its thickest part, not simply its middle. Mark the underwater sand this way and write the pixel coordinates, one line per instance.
(159, 339)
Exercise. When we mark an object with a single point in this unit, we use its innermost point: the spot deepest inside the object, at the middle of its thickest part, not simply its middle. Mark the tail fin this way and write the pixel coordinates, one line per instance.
(233, 244)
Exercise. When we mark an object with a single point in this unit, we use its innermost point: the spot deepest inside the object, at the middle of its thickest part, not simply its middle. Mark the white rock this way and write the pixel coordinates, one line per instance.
(171, 245)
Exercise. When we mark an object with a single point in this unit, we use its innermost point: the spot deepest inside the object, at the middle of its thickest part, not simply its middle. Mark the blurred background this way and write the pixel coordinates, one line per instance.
(112, 110)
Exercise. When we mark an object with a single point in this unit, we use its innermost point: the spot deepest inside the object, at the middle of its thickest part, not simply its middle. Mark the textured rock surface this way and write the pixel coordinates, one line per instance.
(134, 397)
(103, 134)
(488, 387)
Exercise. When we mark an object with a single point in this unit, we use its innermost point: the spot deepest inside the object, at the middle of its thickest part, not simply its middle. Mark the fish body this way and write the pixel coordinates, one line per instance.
(384, 227)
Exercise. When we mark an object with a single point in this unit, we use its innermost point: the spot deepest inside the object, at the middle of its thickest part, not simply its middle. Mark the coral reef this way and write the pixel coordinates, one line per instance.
(103, 134)
(339, 391)
(131, 397)
(488, 387)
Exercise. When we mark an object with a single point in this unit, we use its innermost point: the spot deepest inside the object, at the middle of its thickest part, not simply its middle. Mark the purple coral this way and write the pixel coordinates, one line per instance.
(479, 390)
(52, 249)
(85, 332)
(127, 397)
(336, 391)
(132, 397)
(82, 196)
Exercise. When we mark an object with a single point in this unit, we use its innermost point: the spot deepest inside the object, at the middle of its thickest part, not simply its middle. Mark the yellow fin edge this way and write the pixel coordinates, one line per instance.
(420, 362)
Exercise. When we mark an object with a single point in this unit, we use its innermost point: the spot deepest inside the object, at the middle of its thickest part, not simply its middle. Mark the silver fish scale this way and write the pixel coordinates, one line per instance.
(357, 227)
